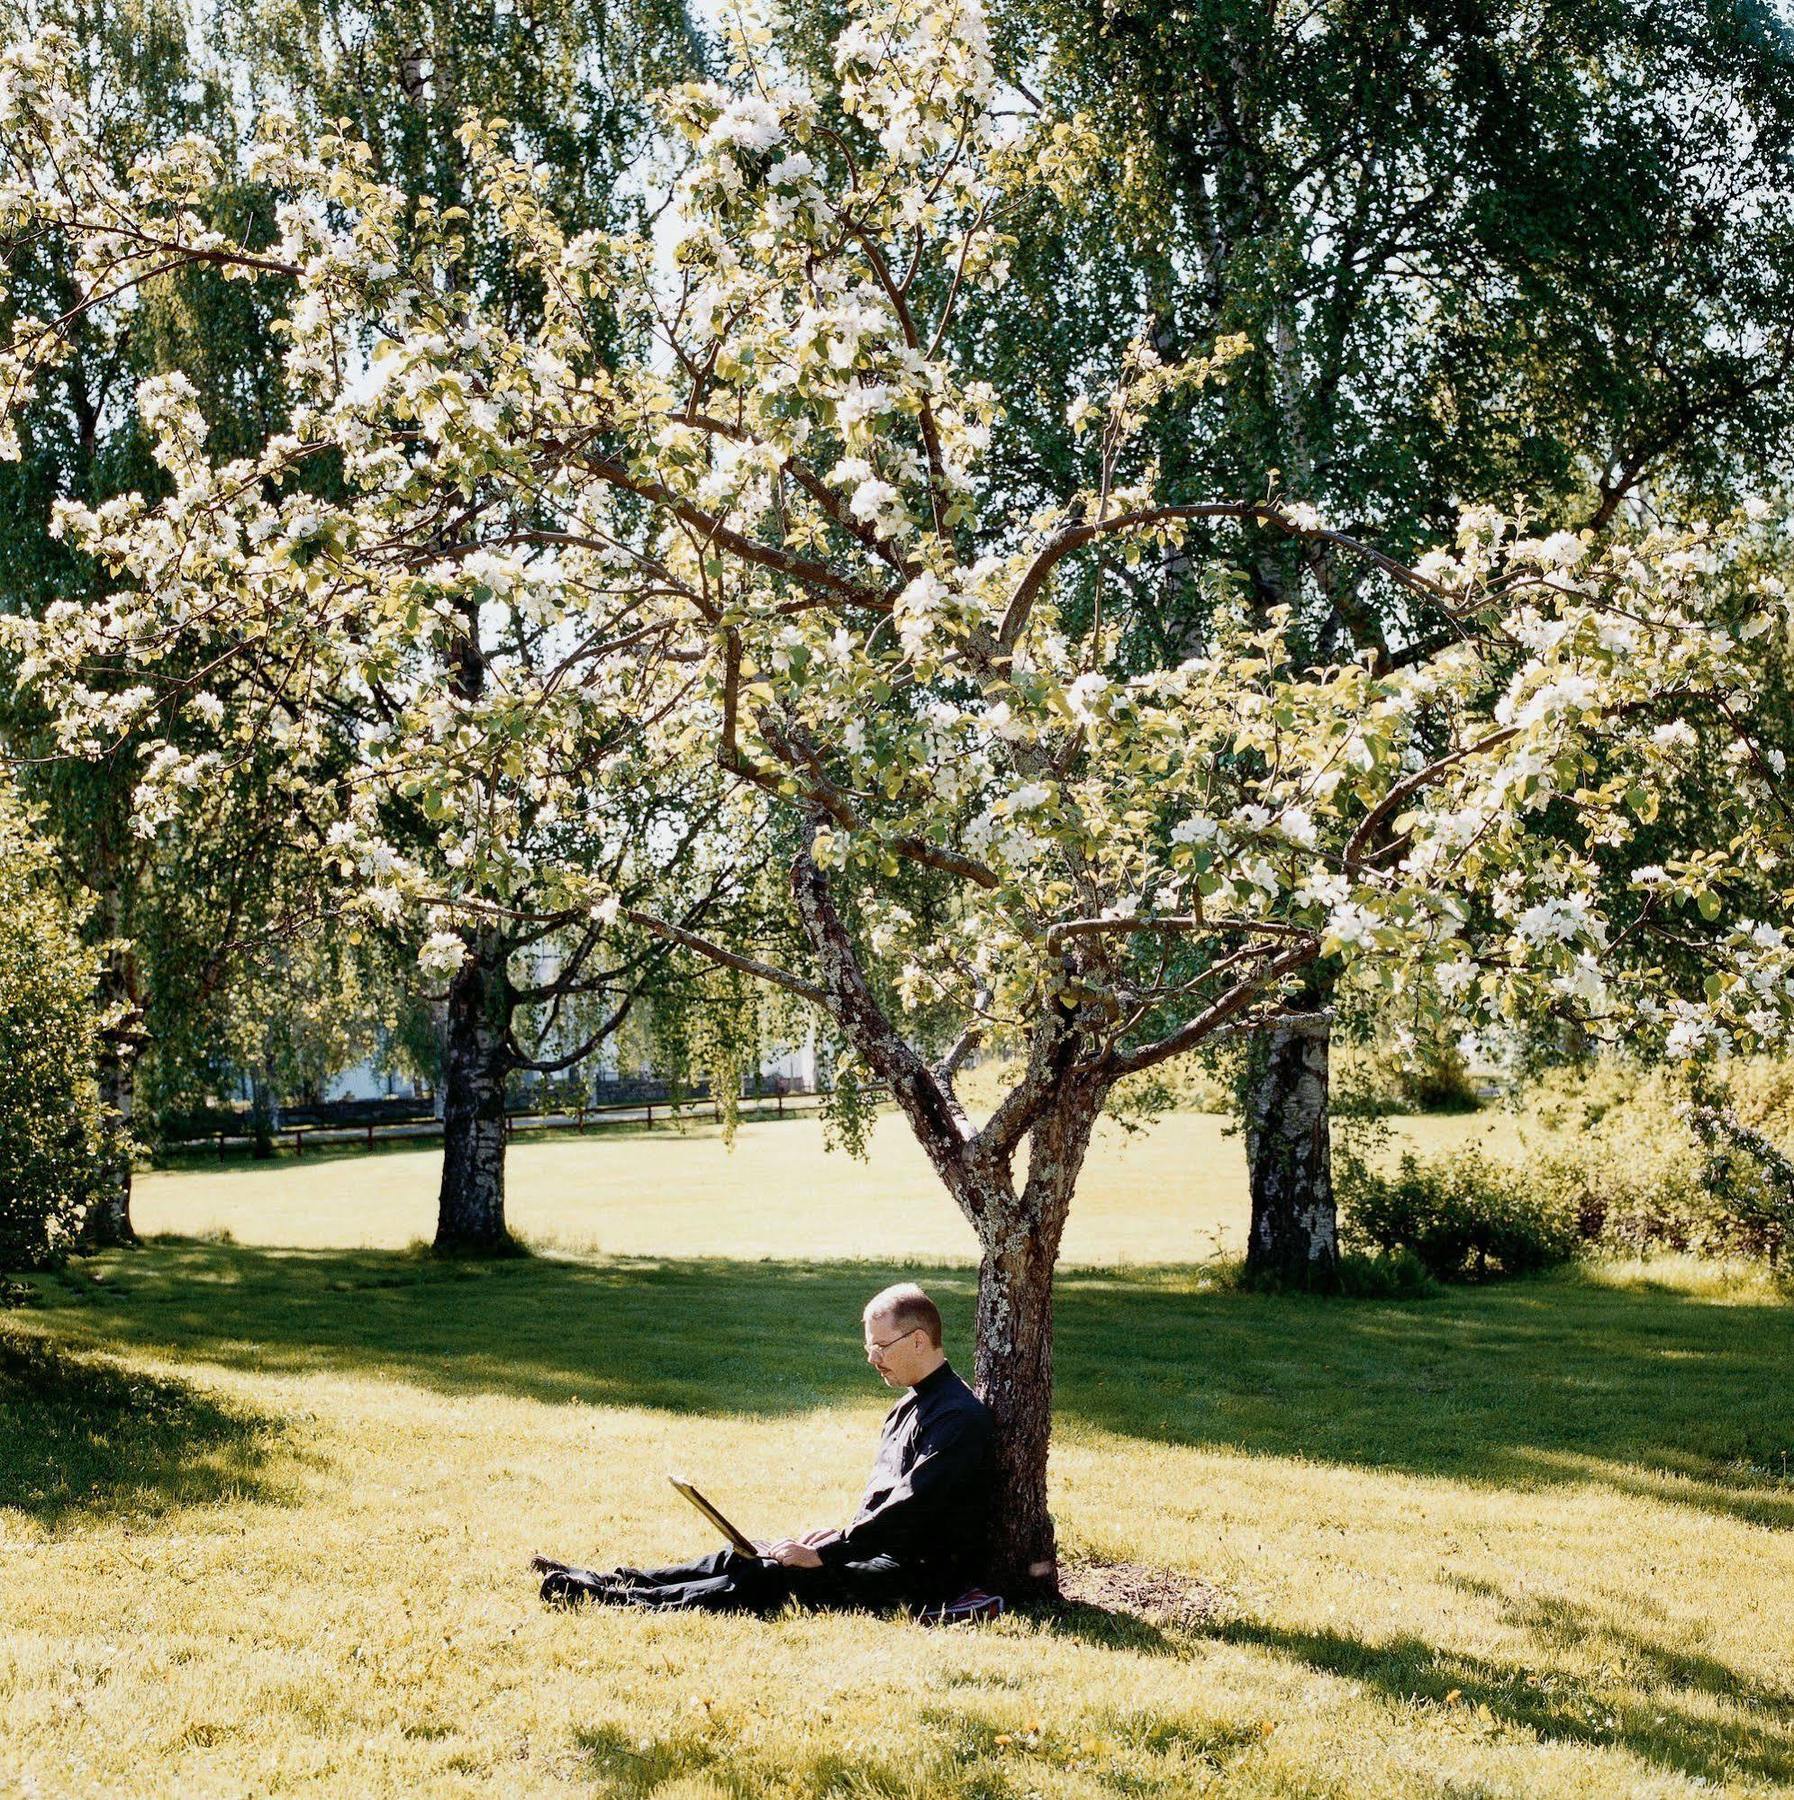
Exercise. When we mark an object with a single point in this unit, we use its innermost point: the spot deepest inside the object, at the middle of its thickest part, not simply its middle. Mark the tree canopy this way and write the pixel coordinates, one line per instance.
(752, 620)
(1542, 254)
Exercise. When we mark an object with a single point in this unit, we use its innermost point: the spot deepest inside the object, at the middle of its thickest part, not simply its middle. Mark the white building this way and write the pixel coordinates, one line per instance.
(368, 1081)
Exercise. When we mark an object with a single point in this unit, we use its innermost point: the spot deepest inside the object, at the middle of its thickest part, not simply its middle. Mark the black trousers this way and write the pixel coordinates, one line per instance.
(727, 1581)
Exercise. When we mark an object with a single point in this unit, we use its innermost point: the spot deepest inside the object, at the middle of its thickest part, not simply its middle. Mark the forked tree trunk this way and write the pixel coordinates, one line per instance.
(1294, 1238)
(470, 1210)
(1014, 1352)
(108, 1223)
(1020, 1233)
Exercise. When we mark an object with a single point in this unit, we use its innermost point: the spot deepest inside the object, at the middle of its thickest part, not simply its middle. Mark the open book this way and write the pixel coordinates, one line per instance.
(739, 1539)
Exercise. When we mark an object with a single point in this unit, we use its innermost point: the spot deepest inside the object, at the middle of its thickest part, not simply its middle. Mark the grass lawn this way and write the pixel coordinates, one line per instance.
(1174, 1194)
(264, 1505)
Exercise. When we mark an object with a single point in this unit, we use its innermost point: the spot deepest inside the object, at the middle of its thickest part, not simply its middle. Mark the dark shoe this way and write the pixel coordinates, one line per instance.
(567, 1587)
(971, 1606)
(577, 1587)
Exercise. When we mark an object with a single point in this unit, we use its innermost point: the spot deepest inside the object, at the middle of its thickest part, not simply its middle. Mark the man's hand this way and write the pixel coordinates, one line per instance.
(795, 1554)
(816, 1539)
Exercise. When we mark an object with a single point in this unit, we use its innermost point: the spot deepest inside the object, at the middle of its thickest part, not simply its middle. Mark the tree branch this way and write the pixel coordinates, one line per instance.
(730, 959)
(935, 1115)
(1168, 922)
(1234, 1001)
(800, 569)
(1405, 790)
(1074, 537)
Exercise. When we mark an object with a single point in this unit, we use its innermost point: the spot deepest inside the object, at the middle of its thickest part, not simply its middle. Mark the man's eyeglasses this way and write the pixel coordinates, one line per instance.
(873, 1343)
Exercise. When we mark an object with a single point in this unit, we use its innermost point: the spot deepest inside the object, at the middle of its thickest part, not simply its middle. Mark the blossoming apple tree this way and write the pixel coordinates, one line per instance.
(747, 569)
(463, 844)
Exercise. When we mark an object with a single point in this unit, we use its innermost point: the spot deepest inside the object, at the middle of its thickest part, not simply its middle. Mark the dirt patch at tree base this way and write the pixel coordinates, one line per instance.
(1161, 1596)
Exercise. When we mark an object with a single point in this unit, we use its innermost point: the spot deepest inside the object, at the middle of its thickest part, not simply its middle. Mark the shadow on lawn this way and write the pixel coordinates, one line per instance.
(81, 1435)
(1108, 1627)
(1530, 1384)
(1686, 1712)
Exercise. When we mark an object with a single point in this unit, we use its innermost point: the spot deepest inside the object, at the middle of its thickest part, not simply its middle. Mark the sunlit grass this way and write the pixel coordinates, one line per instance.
(264, 1507)
(1176, 1193)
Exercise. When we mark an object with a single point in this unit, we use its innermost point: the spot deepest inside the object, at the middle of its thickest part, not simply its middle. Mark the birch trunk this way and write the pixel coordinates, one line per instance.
(1294, 1237)
(470, 1210)
(108, 1223)
(261, 1118)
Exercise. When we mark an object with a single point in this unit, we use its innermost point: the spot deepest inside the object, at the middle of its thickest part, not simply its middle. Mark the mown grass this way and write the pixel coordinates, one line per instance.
(1175, 1194)
(264, 1510)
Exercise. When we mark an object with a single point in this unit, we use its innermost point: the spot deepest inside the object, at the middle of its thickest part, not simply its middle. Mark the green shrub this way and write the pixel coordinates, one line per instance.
(1379, 1078)
(1613, 1165)
(50, 1165)
(1761, 1092)
(1464, 1217)
(1748, 1175)
(1389, 1275)
(1623, 1159)
(1631, 1204)
(1438, 1082)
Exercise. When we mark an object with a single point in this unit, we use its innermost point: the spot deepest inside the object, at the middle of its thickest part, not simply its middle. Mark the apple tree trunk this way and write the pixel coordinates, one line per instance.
(1021, 1234)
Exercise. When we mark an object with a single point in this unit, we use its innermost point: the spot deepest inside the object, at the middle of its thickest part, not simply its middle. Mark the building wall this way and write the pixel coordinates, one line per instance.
(366, 1082)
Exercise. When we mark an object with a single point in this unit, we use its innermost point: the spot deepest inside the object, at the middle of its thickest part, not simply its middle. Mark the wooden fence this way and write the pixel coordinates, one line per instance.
(625, 1112)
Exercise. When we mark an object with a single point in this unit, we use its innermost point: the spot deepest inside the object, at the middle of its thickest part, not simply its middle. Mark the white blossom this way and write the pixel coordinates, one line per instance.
(1454, 977)
(1350, 924)
(1085, 693)
(857, 405)
(1558, 920)
(442, 953)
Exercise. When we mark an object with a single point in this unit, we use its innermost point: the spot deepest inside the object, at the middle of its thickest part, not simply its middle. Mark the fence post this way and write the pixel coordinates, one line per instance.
(650, 1115)
(370, 1134)
(298, 1140)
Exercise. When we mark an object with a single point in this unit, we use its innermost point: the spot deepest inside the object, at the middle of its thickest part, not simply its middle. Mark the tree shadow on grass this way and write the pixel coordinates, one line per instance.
(1690, 1714)
(633, 1766)
(80, 1435)
(1650, 1392)
(1530, 1385)
(1108, 1627)
(1620, 1644)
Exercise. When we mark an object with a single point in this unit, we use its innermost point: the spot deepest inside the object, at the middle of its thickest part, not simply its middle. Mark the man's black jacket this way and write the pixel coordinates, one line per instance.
(927, 1503)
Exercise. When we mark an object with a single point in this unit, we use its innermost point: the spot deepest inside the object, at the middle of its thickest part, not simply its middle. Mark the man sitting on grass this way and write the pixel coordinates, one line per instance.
(918, 1536)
